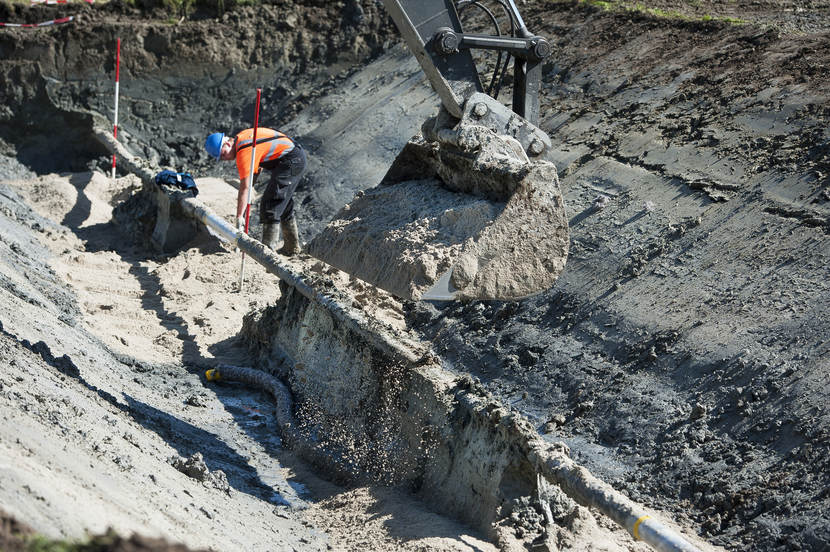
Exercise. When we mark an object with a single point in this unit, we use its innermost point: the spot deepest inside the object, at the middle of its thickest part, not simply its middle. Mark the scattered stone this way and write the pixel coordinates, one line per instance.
(195, 400)
(600, 202)
(698, 411)
(555, 421)
(196, 468)
(584, 406)
(124, 462)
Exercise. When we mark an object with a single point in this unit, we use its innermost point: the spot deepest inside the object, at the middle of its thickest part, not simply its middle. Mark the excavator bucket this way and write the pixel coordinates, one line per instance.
(462, 213)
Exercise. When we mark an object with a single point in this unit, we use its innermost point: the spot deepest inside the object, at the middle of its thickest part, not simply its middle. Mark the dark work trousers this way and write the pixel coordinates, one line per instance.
(277, 202)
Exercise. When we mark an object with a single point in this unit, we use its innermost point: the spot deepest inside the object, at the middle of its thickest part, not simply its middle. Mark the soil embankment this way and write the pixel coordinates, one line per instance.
(681, 352)
(681, 356)
(109, 422)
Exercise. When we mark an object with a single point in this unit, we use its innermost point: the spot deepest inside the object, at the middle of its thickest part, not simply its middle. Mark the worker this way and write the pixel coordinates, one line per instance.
(286, 161)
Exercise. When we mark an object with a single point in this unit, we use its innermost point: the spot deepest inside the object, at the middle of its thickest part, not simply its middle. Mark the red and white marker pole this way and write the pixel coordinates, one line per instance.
(42, 24)
(53, 2)
(250, 185)
(115, 119)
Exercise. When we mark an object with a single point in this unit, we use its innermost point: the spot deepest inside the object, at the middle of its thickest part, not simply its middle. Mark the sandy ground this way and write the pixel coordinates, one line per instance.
(145, 329)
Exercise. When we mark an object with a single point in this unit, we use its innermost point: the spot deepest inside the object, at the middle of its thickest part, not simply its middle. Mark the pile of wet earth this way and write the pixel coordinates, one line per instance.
(644, 356)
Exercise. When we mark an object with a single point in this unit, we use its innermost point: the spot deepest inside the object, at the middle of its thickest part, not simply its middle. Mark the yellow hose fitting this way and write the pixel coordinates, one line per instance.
(213, 374)
(636, 530)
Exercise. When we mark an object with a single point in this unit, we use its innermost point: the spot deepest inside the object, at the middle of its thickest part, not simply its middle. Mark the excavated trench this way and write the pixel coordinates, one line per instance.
(628, 361)
(366, 400)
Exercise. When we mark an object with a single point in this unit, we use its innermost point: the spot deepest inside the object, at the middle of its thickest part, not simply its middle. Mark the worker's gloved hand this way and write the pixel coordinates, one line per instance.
(240, 224)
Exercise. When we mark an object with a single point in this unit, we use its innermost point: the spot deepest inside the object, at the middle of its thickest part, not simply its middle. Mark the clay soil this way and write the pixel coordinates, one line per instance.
(682, 355)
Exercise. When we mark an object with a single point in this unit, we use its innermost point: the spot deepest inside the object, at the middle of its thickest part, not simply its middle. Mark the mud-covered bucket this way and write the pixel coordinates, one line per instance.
(462, 213)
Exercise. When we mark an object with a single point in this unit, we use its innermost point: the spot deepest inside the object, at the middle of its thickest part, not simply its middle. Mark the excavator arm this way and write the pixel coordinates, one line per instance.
(432, 30)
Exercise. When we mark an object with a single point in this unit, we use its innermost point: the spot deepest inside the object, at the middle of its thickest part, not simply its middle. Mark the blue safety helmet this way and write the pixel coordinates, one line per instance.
(213, 144)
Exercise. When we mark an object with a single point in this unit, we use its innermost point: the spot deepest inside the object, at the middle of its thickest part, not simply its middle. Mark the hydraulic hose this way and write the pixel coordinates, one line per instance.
(289, 429)
(495, 81)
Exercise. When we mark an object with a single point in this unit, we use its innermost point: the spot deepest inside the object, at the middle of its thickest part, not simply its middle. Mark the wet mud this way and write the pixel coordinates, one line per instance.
(680, 352)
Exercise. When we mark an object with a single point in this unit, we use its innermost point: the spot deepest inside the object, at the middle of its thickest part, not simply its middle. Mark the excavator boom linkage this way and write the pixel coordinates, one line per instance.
(432, 30)
(453, 76)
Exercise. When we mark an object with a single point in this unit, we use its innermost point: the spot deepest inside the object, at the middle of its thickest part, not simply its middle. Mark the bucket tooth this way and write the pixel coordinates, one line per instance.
(462, 213)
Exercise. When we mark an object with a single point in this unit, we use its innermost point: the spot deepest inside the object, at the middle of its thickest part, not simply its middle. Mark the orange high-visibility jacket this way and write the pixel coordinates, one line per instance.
(270, 146)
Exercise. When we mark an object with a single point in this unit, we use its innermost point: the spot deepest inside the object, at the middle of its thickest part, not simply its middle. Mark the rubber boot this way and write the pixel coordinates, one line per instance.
(291, 237)
(270, 235)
